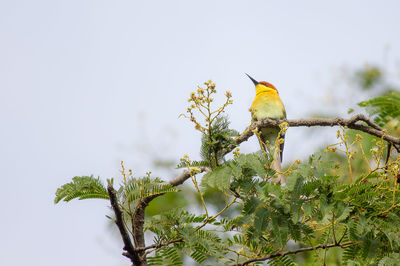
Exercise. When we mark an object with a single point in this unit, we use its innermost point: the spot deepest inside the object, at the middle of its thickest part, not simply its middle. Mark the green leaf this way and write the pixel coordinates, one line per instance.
(368, 77)
(82, 187)
(218, 138)
(192, 164)
(261, 219)
(250, 205)
(384, 108)
(218, 179)
(254, 161)
(296, 202)
(280, 230)
(170, 256)
(138, 188)
(390, 260)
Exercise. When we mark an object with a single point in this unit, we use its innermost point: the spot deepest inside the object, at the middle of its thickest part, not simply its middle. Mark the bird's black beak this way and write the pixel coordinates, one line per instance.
(254, 81)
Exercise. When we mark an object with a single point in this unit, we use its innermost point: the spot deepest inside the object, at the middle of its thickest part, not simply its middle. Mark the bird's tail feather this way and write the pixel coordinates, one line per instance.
(276, 165)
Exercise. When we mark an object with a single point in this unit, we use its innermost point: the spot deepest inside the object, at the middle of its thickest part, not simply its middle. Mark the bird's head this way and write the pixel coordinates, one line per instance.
(262, 85)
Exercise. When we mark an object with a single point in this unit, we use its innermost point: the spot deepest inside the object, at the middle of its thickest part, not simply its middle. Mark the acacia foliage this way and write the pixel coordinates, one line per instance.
(384, 108)
(342, 204)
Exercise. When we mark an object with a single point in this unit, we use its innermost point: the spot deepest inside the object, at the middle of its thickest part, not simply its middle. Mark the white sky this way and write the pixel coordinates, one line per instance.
(85, 84)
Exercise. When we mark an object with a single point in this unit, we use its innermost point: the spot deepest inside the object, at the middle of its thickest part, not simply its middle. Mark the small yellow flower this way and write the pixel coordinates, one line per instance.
(332, 149)
(236, 152)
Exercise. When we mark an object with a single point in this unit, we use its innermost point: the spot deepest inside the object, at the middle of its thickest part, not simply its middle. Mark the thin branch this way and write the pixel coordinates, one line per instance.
(369, 122)
(281, 254)
(157, 246)
(196, 185)
(160, 245)
(325, 249)
(353, 122)
(128, 247)
(186, 175)
(218, 214)
(344, 234)
(333, 227)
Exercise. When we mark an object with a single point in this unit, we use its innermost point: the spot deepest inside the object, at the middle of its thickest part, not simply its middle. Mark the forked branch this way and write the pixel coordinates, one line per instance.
(139, 213)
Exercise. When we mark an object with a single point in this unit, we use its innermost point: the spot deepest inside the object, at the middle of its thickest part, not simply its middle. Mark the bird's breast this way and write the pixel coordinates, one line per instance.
(267, 105)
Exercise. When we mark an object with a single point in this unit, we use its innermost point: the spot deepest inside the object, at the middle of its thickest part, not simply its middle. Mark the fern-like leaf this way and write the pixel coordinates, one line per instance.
(166, 256)
(384, 108)
(219, 138)
(138, 188)
(192, 164)
(218, 179)
(82, 187)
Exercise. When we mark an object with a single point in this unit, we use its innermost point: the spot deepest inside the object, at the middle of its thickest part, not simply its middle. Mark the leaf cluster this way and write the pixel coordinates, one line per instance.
(368, 77)
(82, 187)
(139, 188)
(200, 245)
(219, 138)
(384, 108)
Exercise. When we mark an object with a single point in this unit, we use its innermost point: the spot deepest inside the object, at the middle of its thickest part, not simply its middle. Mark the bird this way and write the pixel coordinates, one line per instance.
(268, 104)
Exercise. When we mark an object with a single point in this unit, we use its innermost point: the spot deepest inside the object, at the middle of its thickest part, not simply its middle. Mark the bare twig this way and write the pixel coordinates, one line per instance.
(281, 254)
(218, 214)
(186, 175)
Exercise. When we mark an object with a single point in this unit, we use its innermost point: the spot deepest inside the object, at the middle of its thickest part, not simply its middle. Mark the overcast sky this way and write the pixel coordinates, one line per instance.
(85, 84)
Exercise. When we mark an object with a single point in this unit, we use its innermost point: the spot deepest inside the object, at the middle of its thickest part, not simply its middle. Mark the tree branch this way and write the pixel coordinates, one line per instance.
(186, 175)
(281, 254)
(353, 123)
(138, 222)
(128, 247)
(160, 245)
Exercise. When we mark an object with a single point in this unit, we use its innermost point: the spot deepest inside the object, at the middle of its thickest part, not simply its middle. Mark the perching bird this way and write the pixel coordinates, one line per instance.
(267, 104)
